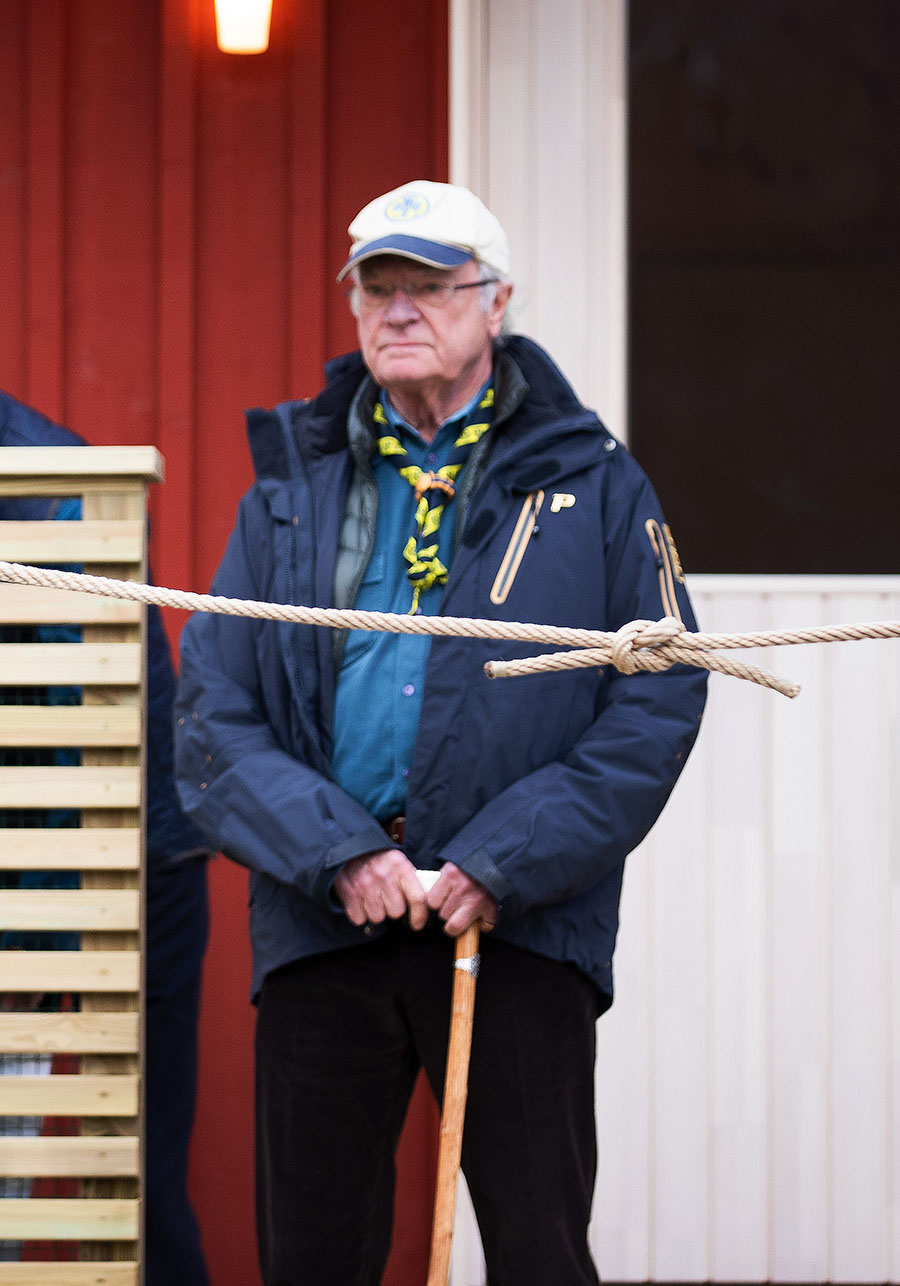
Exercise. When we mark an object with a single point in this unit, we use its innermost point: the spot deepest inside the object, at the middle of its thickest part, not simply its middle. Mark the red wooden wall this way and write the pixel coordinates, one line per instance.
(171, 221)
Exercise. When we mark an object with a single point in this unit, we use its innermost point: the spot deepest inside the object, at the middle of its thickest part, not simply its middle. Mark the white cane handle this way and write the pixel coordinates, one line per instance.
(428, 879)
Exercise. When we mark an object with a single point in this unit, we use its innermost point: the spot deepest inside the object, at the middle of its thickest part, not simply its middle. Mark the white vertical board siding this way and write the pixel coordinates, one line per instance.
(790, 1167)
(537, 110)
(862, 782)
(798, 924)
(748, 1075)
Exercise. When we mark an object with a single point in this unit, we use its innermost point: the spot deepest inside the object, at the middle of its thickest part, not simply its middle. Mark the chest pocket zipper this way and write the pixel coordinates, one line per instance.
(667, 573)
(515, 550)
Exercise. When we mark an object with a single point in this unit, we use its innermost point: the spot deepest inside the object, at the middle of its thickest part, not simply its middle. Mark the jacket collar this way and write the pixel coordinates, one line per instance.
(528, 383)
(510, 389)
(282, 438)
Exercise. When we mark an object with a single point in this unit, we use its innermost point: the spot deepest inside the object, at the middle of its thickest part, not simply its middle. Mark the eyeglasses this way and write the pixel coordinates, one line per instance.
(373, 296)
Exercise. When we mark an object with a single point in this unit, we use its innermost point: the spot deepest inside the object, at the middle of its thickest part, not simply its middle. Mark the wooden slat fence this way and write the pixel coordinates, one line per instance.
(71, 814)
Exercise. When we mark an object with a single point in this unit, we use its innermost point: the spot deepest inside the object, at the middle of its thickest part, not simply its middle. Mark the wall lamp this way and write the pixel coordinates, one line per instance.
(242, 26)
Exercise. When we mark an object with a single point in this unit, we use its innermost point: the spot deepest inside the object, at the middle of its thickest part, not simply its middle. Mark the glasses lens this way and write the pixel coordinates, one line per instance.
(433, 294)
(373, 296)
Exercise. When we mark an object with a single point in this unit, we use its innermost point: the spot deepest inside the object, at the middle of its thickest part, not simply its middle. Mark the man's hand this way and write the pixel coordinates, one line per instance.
(381, 886)
(461, 901)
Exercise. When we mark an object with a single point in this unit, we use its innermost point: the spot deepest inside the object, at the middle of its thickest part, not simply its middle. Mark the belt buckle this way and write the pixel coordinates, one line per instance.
(395, 829)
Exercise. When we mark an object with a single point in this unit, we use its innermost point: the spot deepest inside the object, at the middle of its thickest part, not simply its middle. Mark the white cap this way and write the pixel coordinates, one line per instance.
(439, 224)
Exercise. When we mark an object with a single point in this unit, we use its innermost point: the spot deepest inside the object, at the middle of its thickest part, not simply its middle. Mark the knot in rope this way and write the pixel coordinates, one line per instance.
(642, 636)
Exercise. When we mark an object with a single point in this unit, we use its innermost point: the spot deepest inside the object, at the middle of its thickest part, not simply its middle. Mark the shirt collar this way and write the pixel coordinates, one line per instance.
(397, 421)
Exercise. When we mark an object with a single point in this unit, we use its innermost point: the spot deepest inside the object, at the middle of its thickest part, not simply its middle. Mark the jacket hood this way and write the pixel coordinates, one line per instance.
(23, 426)
(276, 445)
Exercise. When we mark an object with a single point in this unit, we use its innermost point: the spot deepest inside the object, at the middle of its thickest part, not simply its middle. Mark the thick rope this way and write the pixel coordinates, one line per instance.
(640, 645)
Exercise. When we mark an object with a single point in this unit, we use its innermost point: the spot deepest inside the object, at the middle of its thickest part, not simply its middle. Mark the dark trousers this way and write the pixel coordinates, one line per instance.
(339, 1041)
(176, 938)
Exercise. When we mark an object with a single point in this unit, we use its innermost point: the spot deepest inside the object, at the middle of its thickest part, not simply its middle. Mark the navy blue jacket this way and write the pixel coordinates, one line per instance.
(170, 834)
(539, 786)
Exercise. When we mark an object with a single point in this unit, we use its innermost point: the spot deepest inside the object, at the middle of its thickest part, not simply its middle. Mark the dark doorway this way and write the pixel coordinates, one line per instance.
(764, 172)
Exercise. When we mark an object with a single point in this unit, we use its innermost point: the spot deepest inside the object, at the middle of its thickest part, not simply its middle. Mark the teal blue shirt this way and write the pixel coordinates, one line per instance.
(382, 676)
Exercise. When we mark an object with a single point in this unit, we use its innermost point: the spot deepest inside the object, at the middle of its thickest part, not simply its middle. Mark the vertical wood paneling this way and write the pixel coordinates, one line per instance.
(386, 121)
(111, 221)
(892, 913)
(679, 1048)
(503, 170)
(306, 282)
(557, 139)
(800, 856)
(13, 222)
(604, 270)
(47, 92)
(860, 787)
(623, 1215)
(239, 210)
(800, 911)
(177, 313)
(736, 852)
(468, 89)
(240, 268)
(189, 321)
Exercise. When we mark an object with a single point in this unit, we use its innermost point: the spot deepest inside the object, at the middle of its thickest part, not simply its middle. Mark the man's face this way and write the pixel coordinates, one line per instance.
(411, 346)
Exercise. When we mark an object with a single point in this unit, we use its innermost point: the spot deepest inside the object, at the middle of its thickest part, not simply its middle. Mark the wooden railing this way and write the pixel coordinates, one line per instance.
(89, 1045)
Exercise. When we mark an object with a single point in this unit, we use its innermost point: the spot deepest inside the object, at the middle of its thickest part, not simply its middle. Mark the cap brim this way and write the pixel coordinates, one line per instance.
(433, 253)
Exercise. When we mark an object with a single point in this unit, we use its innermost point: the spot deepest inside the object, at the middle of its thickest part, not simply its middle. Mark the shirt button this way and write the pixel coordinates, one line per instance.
(404, 772)
(431, 458)
(408, 689)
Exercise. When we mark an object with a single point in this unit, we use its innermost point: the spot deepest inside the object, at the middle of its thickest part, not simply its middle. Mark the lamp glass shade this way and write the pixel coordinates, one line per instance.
(242, 26)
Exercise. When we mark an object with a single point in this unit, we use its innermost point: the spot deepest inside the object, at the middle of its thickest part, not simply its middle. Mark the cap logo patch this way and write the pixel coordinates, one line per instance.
(412, 205)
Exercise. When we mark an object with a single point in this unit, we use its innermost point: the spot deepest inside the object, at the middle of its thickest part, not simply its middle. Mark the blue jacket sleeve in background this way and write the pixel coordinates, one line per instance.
(170, 835)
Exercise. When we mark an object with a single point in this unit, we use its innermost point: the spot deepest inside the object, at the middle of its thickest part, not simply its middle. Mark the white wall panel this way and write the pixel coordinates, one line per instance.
(860, 787)
(747, 1076)
(538, 131)
(736, 842)
(800, 854)
(622, 1223)
(679, 1054)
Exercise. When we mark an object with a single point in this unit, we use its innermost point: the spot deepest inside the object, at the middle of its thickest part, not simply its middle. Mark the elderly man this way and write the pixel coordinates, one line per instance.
(444, 468)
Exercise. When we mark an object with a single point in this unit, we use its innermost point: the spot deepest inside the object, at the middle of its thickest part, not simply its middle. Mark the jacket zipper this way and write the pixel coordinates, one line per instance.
(665, 571)
(515, 550)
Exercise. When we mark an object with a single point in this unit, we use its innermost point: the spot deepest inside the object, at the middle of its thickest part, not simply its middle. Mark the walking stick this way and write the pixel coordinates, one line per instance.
(453, 1114)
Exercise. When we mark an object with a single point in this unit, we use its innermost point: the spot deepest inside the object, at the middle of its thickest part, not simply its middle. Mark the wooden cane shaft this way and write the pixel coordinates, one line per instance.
(454, 1109)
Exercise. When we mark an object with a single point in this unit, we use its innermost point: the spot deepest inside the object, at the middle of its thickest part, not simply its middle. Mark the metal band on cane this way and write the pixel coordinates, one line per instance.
(466, 964)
